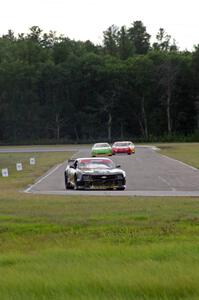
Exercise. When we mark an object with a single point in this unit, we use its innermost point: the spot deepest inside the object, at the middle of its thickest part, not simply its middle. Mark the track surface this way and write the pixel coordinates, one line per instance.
(148, 173)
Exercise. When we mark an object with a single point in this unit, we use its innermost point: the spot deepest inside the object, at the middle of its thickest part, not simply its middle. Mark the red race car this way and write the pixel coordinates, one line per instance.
(123, 147)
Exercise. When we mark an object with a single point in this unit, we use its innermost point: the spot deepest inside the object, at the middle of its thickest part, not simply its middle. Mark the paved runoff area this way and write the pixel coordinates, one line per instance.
(148, 173)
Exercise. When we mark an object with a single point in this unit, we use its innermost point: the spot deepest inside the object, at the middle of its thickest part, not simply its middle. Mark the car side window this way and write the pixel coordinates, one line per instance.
(75, 164)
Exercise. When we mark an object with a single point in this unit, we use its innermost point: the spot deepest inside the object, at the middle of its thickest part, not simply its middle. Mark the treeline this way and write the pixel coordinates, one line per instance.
(56, 89)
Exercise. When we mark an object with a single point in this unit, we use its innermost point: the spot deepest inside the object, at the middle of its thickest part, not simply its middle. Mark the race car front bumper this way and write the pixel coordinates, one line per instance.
(102, 182)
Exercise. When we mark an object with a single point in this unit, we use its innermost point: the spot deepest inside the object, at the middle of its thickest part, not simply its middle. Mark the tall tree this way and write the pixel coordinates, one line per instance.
(10, 35)
(164, 42)
(195, 71)
(167, 74)
(141, 70)
(139, 37)
(35, 34)
(110, 40)
(125, 46)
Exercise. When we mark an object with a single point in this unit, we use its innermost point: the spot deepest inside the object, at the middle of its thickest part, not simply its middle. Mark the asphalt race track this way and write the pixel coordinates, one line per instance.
(148, 174)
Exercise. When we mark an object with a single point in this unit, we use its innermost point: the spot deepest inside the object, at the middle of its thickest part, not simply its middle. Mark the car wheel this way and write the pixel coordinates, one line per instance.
(121, 188)
(75, 183)
(67, 184)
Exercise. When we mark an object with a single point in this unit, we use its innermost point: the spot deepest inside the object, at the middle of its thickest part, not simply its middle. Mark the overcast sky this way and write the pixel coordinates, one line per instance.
(87, 19)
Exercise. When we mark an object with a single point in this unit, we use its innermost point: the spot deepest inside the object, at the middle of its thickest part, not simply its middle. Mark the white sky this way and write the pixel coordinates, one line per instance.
(87, 19)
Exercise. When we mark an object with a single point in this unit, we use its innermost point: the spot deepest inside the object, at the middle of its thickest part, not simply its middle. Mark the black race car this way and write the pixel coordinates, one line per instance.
(94, 173)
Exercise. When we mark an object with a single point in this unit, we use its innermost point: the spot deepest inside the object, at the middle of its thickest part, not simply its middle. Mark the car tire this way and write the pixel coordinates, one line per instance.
(121, 188)
(75, 183)
(67, 184)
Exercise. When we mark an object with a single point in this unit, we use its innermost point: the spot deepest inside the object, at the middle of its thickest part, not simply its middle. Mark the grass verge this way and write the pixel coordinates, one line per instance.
(186, 152)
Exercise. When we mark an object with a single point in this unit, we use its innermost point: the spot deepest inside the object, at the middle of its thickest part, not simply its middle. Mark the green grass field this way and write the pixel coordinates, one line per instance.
(58, 247)
(188, 153)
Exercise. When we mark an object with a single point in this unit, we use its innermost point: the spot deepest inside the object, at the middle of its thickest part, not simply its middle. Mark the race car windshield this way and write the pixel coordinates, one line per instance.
(125, 144)
(96, 164)
(101, 145)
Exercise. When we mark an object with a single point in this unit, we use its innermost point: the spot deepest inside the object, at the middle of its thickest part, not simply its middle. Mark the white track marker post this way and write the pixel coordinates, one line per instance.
(19, 167)
(4, 172)
(32, 161)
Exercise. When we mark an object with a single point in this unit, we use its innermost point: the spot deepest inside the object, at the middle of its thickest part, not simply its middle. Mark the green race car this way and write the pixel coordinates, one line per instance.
(101, 149)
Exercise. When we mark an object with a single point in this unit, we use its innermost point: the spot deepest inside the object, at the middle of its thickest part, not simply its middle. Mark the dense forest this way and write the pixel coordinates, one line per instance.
(54, 89)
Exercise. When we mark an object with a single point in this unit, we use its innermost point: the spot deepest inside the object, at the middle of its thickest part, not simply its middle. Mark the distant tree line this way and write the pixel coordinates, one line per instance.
(56, 89)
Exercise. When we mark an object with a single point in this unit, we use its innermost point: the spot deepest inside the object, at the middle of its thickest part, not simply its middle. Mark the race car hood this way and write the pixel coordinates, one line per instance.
(102, 171)
(102, 149)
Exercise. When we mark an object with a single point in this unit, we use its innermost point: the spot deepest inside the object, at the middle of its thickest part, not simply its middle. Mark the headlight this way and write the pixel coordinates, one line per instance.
(86, 177)
(120, 176)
